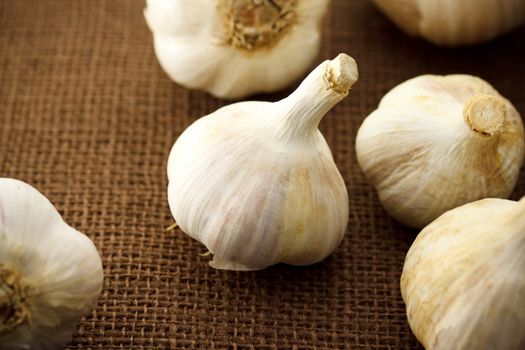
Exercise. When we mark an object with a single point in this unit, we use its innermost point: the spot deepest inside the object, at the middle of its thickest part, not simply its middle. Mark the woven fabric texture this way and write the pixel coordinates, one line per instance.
(88, 117)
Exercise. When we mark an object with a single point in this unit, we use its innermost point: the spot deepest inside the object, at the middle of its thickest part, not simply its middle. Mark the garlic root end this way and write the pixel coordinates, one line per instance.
(14, 300)
(223, 264)
(171, 227)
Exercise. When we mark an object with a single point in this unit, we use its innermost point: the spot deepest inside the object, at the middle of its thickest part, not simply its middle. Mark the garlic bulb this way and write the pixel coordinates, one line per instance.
(464, 278)
(256, 182)
(455, 22)
(235, 48)
(50, 274)
(437, 142)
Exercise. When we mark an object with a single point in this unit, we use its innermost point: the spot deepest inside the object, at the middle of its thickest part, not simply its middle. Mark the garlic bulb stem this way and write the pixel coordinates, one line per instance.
(485, 114)
(14, 300)
(322, 89)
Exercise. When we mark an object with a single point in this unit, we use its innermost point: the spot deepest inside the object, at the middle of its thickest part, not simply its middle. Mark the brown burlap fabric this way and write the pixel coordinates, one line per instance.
(88, 117)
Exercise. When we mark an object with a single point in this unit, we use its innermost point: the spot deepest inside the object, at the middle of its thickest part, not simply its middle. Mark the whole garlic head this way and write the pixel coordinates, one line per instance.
(455, 22)
(437, 142)
(464, 278)
(50, 274)
(235, 48)
(256, 182)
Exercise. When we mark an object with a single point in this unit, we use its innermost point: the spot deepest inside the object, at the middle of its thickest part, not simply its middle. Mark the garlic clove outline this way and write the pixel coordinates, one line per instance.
(463, 280)
(256, 183)
(437, 142)
(236, 48)
(50, 274)
(455, 22)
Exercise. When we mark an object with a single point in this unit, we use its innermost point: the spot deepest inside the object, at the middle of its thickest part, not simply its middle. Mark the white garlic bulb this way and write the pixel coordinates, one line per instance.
(256, 182)
(437, 142)
(235, 48)
(455, 22)
(464, 278)
(50, 274)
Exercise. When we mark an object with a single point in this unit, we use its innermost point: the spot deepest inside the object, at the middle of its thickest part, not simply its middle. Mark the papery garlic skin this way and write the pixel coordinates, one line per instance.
(50, 274)
(437, 142)
(256, 182)
(205, 44)
(455, 22)
(463, 281)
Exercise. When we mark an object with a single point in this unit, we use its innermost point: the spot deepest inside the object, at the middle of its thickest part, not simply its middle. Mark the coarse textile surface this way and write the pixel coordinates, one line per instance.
(88, 117)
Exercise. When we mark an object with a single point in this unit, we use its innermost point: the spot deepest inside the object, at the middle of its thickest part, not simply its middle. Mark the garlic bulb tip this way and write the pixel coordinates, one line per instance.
(342, 73)
(485, 114)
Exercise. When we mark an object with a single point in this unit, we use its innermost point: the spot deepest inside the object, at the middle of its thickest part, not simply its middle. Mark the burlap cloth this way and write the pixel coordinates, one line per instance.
(88, 117)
